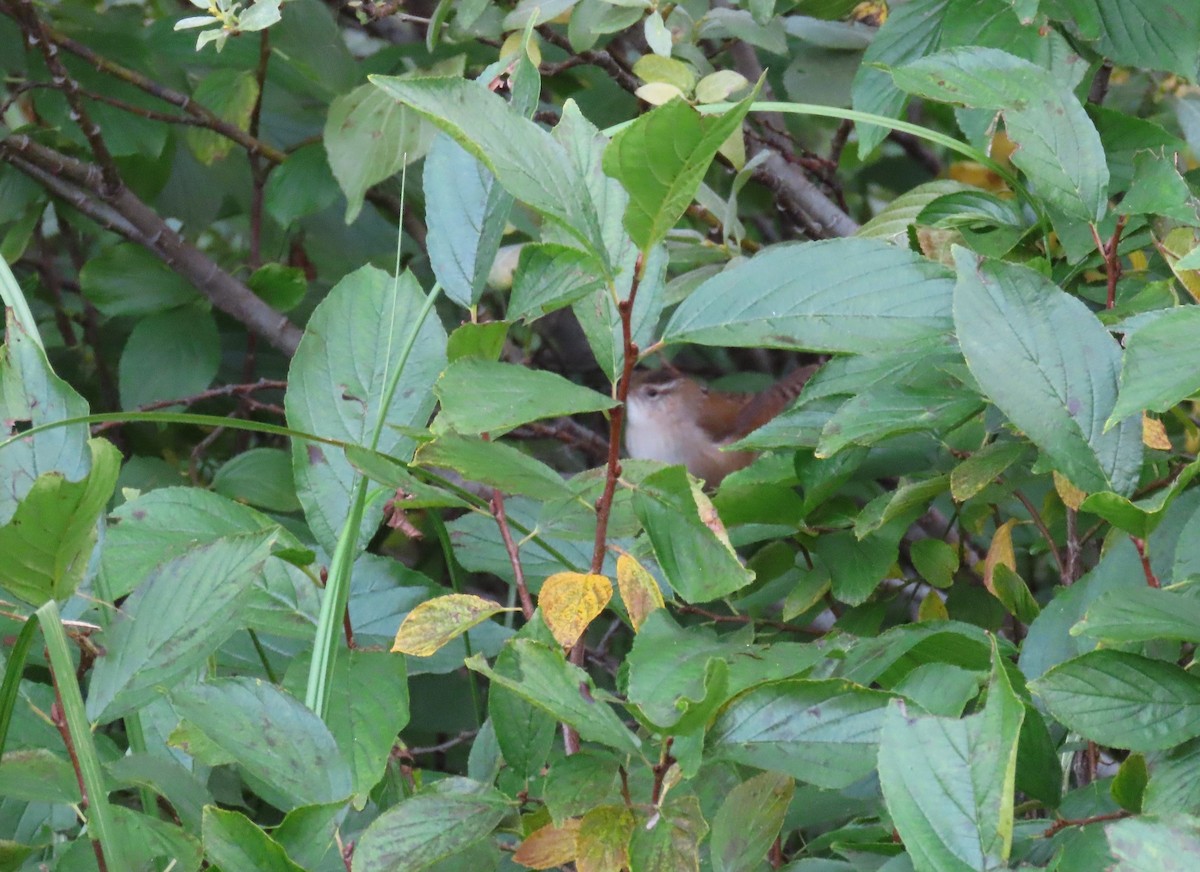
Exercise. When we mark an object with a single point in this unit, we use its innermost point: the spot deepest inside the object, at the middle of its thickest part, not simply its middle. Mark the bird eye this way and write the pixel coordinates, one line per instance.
(652, 392)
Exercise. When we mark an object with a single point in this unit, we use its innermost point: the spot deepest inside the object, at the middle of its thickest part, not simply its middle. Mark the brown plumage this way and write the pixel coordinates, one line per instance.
(676, 419)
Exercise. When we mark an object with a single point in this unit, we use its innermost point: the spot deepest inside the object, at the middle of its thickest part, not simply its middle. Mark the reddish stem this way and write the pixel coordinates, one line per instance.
(1151, 578)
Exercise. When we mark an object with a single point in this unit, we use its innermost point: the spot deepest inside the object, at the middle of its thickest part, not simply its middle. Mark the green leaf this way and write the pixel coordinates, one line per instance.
(983, 467)
(166, 523)
(820, 732)
(1129, 785)
(1057, 144)
(1140, 33)
(1158, 189)
(147, 839)
(494, 464)
(236, 844)
(749, 821)
(287, 754)
(893, 220)
(49, 540)
(38, 775)
(484, 340)
(1123, 700)
(856, 565)
(422, 830)
(910, 32)
(1168, 843)
(852, 295)
(126, 279)
(524, 731)
(187, 607)
(890, 410)
(1142, 615)
(1161, 364)
(368, 138)
(301, 185)
(577, 783)
(281, 287)
(261, 477)
(532, 166)
(675, 683)
(937, 561)
(169, 356)
(948, 783)
(544, 678)
(480, 396)
(550, 276)
(689, 541)
(1045, 360)
(368, 707)
(661, 158)
(465, 211)
(231, 94)
(336, 388)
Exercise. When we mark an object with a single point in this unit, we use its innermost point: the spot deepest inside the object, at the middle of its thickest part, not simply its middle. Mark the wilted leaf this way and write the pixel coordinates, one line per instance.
(639, 591)
(569, 601)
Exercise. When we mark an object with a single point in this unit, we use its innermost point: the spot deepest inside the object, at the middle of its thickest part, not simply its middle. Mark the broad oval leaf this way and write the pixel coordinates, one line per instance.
(850, 295)
(343, 365)
(1049, 365)
(821, 732)
(1161, 364)
(286, 751)
(1123, 700)
(425, 829)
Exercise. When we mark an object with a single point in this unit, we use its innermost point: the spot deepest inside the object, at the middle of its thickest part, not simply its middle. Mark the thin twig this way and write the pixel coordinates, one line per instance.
(1151, 578)
(1058, 825)
(1044, 530)
(514, 556)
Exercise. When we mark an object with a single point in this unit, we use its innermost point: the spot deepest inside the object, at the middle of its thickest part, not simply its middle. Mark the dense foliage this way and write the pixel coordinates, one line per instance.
(316, 549)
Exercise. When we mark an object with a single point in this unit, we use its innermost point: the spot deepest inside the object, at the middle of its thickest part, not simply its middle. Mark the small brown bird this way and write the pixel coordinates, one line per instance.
(676, 419)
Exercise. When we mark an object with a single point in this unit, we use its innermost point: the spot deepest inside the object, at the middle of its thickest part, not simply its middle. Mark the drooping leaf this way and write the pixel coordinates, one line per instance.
(546, 679)
(287, 754)
(749, 820)
(1058, 146)
(949, 783)
(1050, 366)
(346, 359)
(532, 166)
(570, 601)
(368, 138)
(424, 829)
(661, 159)
(49, 540)
(494, 464)
(698, 565)
(178, 617)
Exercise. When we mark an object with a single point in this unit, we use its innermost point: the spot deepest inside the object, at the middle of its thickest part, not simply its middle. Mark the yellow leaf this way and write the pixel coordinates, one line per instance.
(1000, 553)
(1071, 496)
(932, 608)
(639, 590)
(437, 621)
(549, 846)
(708, 514)
(1154, 434)
(570, 601)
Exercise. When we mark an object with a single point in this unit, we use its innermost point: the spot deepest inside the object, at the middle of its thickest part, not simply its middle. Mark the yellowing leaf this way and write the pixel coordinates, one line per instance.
(932, 608)
(657, 93)
(437, 621)
(1071, 496)
(639, 590)
(549, 847)
(570, 601)
(1154, 434)
(708, 514)
(1000, 553)
(604, 835)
